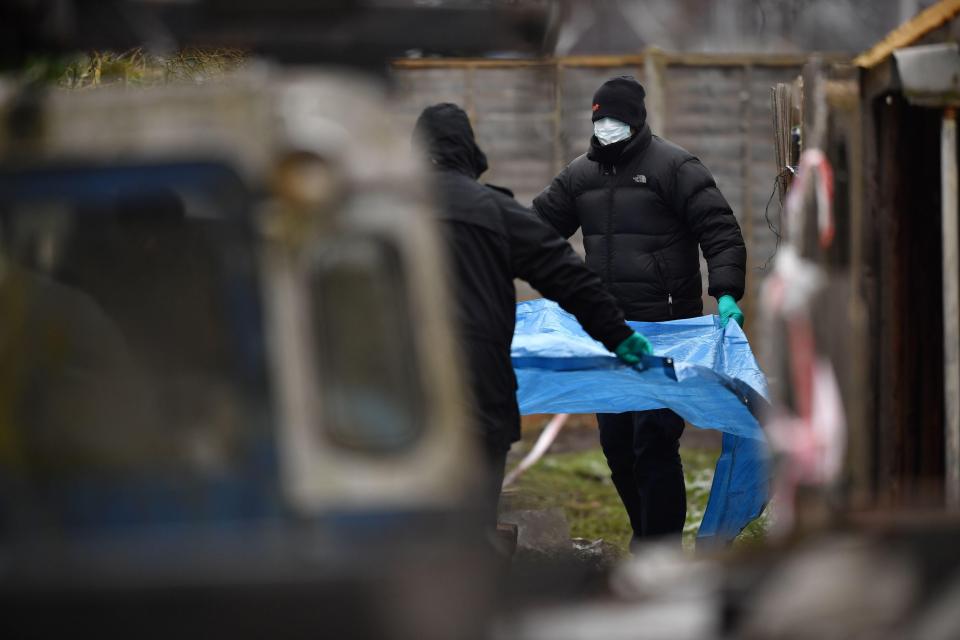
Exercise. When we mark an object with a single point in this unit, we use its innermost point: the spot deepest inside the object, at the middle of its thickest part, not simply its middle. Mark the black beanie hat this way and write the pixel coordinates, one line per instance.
(621, 98)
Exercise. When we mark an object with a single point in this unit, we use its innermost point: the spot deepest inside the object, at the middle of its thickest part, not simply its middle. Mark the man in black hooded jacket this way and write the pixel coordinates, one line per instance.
(645, 205)
(490, 240)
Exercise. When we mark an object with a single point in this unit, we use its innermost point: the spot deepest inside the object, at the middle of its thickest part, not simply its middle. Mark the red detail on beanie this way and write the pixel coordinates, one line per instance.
(596, 107)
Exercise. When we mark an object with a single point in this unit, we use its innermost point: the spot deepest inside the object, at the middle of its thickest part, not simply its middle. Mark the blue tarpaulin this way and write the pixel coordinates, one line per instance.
(702, 371)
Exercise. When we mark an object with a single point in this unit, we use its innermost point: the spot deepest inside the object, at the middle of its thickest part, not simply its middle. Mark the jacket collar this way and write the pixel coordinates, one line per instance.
(620, 153)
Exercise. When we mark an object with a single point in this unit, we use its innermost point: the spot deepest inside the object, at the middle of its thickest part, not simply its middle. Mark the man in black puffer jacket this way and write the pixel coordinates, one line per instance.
(645, 205)
(490, 240)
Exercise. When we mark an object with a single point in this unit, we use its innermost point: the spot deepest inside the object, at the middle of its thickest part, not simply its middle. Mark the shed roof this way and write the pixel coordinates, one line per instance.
(909, 32)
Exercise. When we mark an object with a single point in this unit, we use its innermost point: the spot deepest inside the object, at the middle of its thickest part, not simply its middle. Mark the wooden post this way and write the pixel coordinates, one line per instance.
(951, 306)
(559, 160)
(469, 103)
(654, 81)
(746, 204)
(861, 434)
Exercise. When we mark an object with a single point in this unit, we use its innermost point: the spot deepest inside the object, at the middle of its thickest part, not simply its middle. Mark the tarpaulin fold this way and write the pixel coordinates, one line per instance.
(704, 372)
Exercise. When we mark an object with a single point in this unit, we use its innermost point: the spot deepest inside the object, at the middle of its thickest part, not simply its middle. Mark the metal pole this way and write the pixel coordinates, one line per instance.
(951, 306)
(547, 436)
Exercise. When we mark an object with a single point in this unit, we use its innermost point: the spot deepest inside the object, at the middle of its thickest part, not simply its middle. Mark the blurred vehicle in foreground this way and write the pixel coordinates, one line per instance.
(229, 401)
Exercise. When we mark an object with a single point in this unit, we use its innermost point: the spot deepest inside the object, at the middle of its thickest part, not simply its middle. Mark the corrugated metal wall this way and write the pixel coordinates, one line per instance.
(532, 118)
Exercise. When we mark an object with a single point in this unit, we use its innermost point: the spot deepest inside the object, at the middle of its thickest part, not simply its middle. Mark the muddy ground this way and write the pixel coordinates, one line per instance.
(572, 479)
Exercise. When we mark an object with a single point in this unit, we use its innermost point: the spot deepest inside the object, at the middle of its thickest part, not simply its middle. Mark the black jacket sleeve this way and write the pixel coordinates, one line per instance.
(545, 260)
(710, 219)
(555, 205)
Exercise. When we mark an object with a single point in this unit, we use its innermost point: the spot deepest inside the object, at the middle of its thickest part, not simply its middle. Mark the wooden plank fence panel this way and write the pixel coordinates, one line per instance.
(533, 117)
(512, 112)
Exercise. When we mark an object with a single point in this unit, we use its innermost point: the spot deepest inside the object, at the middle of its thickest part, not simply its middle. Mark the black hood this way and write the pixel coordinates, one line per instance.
(444, 131)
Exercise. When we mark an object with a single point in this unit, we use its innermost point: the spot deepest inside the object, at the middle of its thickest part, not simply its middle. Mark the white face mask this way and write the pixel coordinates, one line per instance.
(609, 131)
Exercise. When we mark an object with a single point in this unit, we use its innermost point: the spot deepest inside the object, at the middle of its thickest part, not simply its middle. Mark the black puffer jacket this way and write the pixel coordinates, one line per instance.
(490, 240)
(644, 205)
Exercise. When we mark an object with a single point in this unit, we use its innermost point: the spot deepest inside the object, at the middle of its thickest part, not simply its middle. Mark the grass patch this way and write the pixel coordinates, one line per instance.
(138, 68)
(579, 483)
(133, 68)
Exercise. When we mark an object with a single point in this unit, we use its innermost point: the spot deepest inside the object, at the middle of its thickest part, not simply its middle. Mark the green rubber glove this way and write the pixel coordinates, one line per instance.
(728, 308)
(631, 349)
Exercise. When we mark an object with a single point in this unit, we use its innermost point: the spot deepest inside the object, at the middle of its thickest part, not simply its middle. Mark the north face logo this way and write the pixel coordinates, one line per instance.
(640, 178)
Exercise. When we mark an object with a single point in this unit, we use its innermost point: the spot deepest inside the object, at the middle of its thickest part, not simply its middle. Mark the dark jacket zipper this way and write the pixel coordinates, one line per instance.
(663, 280)
(610, 189)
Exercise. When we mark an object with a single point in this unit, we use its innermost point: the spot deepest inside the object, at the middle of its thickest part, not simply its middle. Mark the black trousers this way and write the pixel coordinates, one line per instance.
(643, 452)
(494, 459)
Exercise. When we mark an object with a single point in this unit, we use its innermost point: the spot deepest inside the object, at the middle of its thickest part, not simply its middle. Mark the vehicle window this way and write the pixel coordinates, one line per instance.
(370, 388)
(132, 345)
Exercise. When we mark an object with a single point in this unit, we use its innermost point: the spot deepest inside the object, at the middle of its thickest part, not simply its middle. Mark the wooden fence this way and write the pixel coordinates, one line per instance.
(532, 117)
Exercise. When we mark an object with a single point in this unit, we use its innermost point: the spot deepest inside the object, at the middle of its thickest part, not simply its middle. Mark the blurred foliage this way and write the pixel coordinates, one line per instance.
(44, 69)
(132, 68)
(580, 484)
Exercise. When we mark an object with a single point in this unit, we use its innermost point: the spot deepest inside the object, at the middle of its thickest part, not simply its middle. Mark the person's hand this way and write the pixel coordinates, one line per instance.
(727, 307)
(633, 348)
